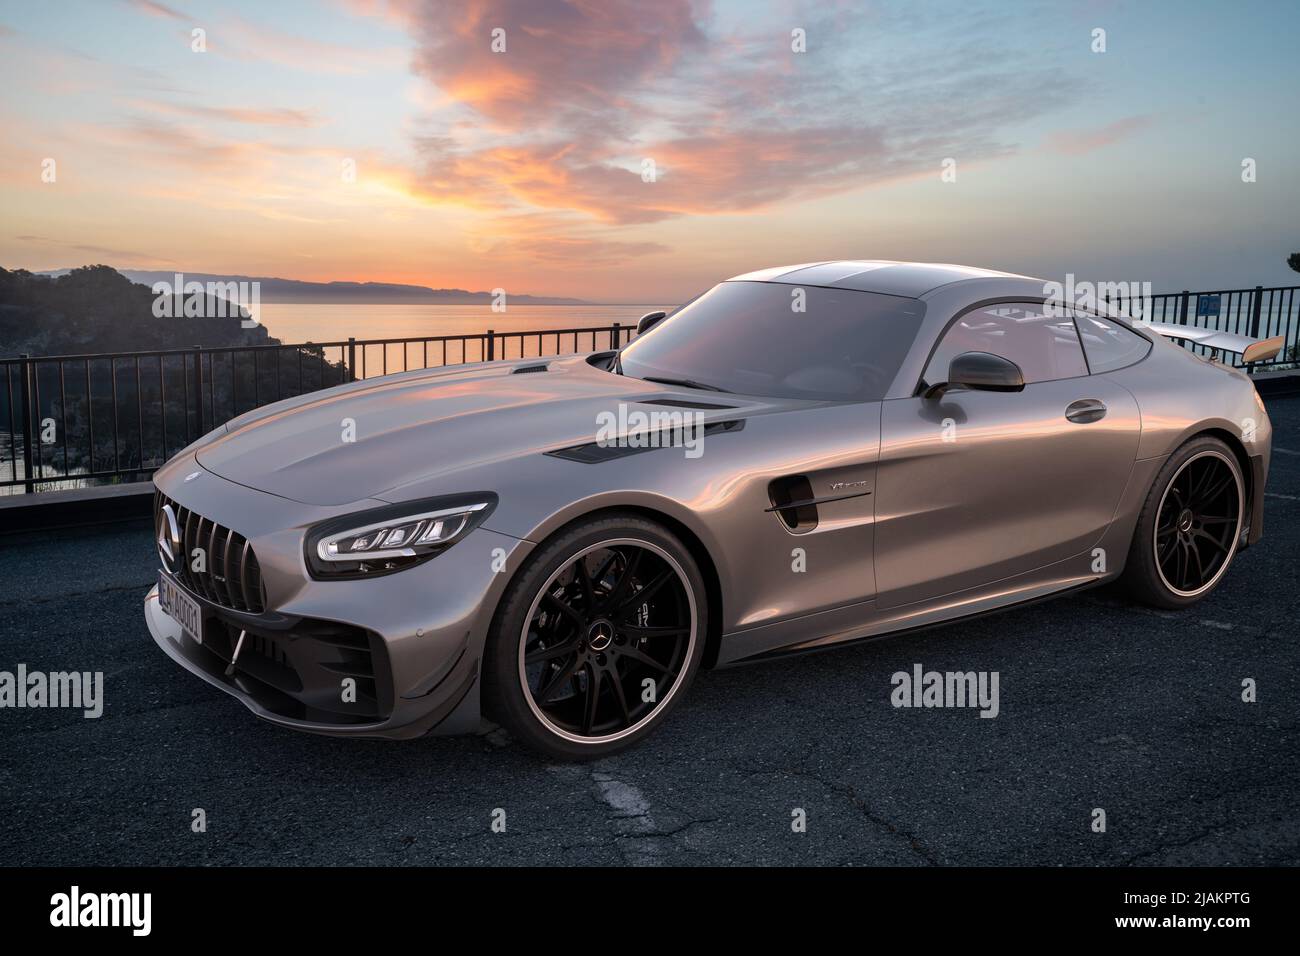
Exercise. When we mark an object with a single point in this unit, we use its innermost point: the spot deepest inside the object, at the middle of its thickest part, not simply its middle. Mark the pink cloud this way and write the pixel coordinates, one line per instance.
(583, 93)
(1078, 142)
(161, 10)
(560, 58)
(249, 115)
(548, 137)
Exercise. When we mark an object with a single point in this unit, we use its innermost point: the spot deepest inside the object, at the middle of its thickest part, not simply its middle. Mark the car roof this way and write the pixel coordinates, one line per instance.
(912, 279)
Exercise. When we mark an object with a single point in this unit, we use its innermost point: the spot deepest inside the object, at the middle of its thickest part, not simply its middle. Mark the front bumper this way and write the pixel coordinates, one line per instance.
(412, 641)
(448, 708)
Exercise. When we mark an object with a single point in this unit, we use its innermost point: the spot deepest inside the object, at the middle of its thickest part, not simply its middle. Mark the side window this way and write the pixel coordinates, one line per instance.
(1108, 344)
(1046, 347)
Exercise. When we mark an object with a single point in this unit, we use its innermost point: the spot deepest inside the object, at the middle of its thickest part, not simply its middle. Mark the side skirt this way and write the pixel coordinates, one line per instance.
(872, 634)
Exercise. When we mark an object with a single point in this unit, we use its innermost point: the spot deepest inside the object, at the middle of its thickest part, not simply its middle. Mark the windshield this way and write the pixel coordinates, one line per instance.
(782, 341)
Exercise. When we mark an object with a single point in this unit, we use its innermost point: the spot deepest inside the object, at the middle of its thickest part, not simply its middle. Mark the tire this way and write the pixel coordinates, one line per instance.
(553, 639)
(1183, 527)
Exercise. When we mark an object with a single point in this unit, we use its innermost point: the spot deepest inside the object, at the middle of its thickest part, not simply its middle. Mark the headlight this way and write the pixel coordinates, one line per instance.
(383, 540)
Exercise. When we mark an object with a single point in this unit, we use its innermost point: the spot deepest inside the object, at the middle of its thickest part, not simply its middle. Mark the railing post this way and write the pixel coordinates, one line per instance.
(198, 390)
(352, 359)
(26, 388)
(616, 336)
(1254, 312)
(491, 346)
(1182, 309)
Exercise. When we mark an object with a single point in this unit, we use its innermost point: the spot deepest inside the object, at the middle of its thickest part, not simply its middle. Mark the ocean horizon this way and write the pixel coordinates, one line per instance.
(296, 323)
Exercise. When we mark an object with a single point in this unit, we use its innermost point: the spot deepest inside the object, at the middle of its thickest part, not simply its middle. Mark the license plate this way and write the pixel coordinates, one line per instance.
(180, 607)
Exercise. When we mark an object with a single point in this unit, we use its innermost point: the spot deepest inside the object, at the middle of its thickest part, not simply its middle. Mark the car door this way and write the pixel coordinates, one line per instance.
(978, 486)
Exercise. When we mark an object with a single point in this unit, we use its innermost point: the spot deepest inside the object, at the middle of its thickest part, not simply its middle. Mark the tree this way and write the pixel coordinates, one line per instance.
(1293, 261)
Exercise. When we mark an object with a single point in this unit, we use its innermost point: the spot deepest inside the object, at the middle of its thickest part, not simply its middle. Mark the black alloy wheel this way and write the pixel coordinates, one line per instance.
(607, 639)
(1190, 527)
(596, 638)
(1197, 525)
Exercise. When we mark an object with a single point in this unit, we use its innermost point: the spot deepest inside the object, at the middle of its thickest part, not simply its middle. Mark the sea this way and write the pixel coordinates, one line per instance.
(295, 323)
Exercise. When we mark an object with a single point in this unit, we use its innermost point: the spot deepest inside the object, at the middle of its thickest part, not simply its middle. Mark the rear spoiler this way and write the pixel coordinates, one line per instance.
(1250, 350)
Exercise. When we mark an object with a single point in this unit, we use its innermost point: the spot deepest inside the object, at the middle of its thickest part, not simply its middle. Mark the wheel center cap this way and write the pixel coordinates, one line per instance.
(600, 635)
(1185, 520)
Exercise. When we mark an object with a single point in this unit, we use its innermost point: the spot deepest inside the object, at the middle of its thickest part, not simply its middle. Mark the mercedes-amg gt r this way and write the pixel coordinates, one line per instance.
(799, 457)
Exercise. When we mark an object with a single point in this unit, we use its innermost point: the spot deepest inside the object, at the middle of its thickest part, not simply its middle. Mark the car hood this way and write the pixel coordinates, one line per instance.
(359, 440)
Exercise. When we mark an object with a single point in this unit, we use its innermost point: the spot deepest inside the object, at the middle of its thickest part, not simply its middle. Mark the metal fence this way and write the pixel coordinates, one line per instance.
(115, 417)
(1260, 313)
(74, 420)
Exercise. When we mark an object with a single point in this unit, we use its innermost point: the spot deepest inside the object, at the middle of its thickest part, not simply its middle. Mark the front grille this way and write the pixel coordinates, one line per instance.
(230, 575)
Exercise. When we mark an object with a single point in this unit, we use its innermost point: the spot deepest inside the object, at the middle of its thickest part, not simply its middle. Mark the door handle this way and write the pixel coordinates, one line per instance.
(1086, 410)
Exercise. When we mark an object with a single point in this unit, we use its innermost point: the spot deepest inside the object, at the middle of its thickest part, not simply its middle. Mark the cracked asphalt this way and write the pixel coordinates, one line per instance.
(1103, 705)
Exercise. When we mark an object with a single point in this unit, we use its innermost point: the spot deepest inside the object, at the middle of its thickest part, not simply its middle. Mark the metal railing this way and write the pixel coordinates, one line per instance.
(150, 404)
(71, 420)
(1261, 313)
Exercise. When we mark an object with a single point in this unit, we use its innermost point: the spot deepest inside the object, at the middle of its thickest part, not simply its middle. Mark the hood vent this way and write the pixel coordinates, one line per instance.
(593, 453)
(524, 369)
(680, 403)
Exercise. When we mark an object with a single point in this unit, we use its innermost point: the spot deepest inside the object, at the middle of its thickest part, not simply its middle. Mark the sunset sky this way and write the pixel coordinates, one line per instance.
(523, 169)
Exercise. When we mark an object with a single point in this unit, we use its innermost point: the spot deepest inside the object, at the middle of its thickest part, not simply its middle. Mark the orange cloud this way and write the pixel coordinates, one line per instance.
(731, 125)
(557, 240)
(119, 256)
(560, 59)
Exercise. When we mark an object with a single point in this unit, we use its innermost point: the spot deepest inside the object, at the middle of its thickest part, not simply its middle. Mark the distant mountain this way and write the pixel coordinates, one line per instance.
(97, 309)
(156, 405)
(272, 289)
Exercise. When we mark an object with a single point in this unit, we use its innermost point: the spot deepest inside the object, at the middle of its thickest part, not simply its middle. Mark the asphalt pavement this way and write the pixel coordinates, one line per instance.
(1103, 705)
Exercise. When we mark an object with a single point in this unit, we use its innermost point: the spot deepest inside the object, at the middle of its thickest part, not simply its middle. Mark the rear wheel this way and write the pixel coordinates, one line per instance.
(1190, 526)
(596, 639)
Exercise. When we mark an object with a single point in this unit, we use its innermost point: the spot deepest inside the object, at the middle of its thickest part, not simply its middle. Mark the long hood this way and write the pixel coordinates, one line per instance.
(357, 441)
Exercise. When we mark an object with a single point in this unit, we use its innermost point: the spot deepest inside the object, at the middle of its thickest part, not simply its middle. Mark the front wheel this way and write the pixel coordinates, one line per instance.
(1190, 526)
(596, 639)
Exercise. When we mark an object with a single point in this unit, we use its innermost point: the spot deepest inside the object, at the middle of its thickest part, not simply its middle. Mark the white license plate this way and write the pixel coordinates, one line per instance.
(180, 607)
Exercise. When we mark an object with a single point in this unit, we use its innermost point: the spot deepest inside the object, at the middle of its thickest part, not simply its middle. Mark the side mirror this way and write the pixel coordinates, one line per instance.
(985, 371)
(982, 371)
(647, 321)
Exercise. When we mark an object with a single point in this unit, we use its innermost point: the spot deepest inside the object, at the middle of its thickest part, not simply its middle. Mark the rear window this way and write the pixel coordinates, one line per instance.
(782, 341)
(1108, 344)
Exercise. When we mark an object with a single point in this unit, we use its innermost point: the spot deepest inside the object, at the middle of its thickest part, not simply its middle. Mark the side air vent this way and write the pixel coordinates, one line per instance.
(525, 369)
(680, 403)
(792, 501)
(593, 453)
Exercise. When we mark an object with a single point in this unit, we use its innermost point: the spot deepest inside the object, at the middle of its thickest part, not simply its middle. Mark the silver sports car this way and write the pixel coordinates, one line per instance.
(799, 457)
